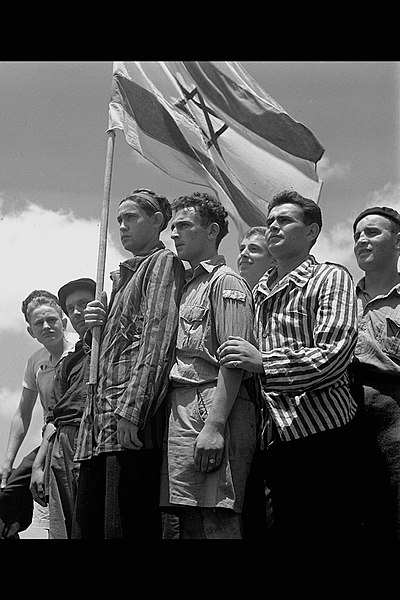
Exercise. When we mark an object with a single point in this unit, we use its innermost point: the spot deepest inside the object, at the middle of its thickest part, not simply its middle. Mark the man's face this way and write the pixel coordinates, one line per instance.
(287, 235)
(76, 303)
(46, 325)
(136, 228)
(375, 244)
(190, 237)
(254, 257)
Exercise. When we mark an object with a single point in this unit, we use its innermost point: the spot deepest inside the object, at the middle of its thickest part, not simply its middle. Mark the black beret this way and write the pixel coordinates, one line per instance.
(384, 211)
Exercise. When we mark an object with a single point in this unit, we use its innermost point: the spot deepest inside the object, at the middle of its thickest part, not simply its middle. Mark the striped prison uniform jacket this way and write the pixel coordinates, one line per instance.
(136, 351)
(307, 333)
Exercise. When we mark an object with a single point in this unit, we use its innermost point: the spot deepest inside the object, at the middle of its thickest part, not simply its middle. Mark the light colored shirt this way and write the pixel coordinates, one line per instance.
(216, 303)
(136, 350)
(39, 377)
(378, 345)
(307, 334)
(39, 371)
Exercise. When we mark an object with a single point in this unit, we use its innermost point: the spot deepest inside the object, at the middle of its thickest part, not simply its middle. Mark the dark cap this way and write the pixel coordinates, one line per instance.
(384, 211)
(72, 286)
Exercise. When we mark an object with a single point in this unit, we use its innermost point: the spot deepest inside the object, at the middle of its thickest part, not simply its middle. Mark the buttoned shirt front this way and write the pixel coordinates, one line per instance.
(378, 345)
(307, 328)
(216, 303)
(136, 349)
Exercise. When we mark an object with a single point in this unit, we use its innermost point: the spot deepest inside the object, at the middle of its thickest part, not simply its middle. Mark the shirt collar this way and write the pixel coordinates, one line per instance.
(208, 265)
(299, 276)
(360, 287)
(68, 346)
(131, 265)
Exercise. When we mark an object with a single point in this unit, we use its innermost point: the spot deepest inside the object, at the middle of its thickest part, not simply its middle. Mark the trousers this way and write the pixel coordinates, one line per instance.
(118, 496)
(382, 463)
(314, 484)
(16, 501)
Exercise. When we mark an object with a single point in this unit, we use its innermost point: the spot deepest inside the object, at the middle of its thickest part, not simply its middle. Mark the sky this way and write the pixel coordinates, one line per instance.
(53, 121)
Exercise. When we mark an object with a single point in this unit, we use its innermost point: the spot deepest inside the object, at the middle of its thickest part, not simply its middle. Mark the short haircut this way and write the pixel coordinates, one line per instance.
(38, 298)
(257, 229)
(395, 227)
(151, 202)
(311, 210)
(210, 209)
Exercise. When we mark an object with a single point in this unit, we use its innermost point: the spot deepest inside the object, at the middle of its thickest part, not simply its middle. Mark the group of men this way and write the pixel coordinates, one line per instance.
(227, 405)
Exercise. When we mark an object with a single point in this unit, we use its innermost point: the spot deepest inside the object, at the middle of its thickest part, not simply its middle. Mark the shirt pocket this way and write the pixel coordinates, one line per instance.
(193, 322)
(390, 343)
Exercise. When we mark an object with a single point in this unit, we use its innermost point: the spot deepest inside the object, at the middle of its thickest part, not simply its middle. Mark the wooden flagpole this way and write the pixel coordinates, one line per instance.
(101, 257)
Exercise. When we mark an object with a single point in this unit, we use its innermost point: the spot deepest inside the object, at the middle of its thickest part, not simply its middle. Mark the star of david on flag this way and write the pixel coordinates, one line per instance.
(211, 124)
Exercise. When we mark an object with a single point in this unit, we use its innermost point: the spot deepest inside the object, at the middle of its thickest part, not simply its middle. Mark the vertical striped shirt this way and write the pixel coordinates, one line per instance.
(136, 350)
(307, 329)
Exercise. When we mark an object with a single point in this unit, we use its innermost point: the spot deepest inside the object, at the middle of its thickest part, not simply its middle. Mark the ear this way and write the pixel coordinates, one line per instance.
(64, 322)
(213, 230)
(158, 219)
(30, 331)
(313, 231)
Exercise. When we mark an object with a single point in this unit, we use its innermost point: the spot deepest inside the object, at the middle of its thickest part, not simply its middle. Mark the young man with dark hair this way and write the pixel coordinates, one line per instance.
(212, 424)
(306, 319)
(120, 440)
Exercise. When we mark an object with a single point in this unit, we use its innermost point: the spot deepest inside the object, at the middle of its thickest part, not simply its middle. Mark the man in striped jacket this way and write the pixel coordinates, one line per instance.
(122, 428)
(307, 323)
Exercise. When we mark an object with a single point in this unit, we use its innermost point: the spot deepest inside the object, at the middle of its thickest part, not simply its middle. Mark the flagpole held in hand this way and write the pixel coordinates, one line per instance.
(101, 257)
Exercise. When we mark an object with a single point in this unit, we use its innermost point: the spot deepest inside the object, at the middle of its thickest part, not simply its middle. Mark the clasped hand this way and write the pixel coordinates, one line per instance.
(237, 352)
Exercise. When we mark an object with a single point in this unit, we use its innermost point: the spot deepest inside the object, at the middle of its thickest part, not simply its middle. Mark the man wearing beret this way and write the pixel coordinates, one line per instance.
(377, 365)
(54, 461)
(122, 429)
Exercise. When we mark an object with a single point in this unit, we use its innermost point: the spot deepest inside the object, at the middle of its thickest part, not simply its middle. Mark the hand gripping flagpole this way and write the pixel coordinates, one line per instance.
(101, 258)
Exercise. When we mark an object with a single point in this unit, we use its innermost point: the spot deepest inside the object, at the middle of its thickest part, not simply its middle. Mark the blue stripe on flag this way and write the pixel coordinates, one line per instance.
(155, 121)
(151, 116)
(253, 113)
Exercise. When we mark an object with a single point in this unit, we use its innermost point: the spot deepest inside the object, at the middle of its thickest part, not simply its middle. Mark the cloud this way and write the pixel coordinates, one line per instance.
(327, 172)
(40, 249)
(389, 195)
(338, 241)
(43, 249)
(336, 246)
